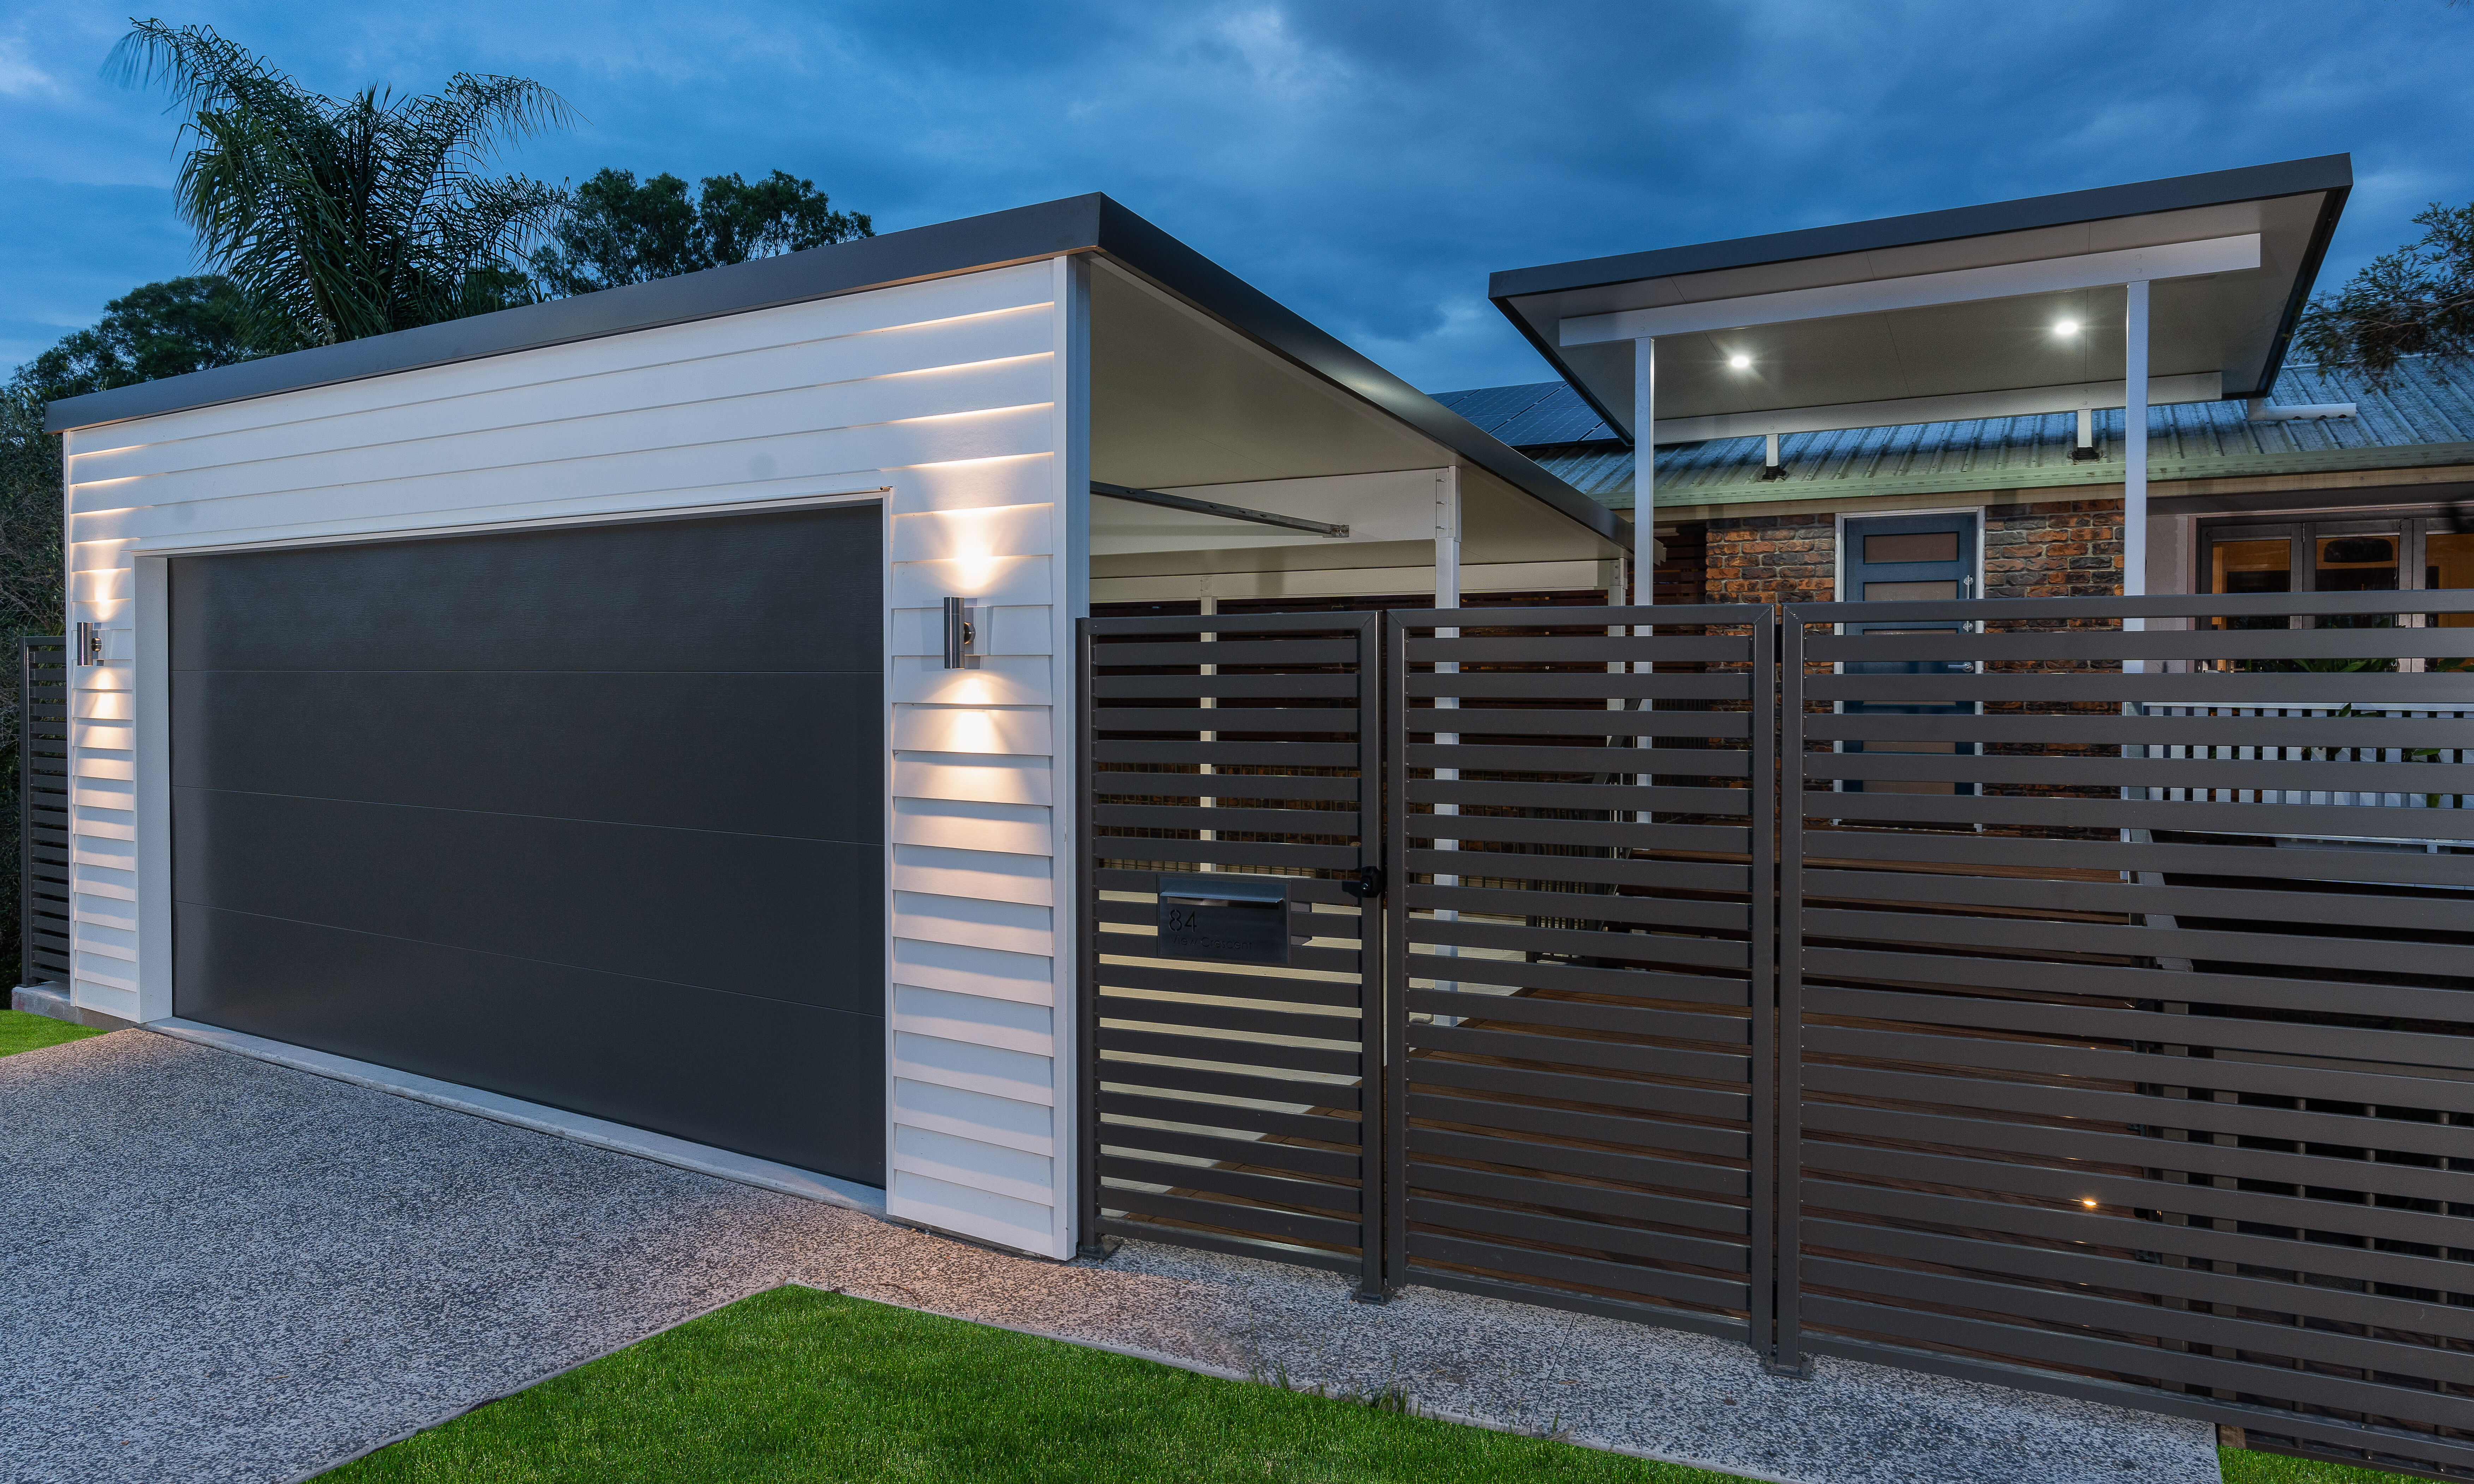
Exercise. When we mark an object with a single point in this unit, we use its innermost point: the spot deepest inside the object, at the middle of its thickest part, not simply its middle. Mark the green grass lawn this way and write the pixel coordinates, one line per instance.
(794, 1384)
(798, 1384)
(20, 1031)
(2246, 1467)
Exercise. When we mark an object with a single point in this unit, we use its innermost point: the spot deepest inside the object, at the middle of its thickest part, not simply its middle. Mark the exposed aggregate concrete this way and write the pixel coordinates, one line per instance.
(230, 1271)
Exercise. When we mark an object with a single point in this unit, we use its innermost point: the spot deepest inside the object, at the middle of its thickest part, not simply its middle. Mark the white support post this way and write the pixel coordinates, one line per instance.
(1644, 451)
(2134, 454)
(1448, 595)
(2134, 441)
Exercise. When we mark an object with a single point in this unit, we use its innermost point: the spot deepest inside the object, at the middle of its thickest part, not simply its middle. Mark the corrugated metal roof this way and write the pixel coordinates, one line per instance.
(1533, 416)
(2421, 417)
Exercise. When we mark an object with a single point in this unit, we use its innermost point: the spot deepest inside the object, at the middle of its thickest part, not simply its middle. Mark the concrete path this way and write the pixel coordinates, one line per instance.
(225, 1270)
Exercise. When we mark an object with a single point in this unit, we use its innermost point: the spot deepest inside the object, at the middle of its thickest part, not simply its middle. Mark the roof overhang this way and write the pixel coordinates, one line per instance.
(1080, 224)
(1947, 314)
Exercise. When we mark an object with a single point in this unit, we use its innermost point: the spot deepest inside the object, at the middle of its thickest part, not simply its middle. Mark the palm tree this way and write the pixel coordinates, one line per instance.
(340, 218)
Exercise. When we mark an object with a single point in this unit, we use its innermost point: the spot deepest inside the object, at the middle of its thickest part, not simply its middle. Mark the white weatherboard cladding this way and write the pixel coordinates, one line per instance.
(951, 396)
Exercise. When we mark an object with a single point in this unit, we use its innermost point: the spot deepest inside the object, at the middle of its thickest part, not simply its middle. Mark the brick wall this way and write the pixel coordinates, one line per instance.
(1772, 559)
(2070, 550)
(2065, 549)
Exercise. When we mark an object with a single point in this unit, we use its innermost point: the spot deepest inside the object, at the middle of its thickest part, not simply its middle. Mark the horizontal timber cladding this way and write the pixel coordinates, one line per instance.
(1227, 1103)
(1581, 858)
(2126, 952)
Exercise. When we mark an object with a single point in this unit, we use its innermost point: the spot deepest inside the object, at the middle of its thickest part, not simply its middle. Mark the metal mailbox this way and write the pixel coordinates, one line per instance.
(1233, 917)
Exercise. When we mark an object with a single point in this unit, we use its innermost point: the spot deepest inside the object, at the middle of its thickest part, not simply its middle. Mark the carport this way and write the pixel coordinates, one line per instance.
(562, 703)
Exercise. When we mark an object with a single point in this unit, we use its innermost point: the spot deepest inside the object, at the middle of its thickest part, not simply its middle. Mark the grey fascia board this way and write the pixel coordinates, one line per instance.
(1733, 490)
(1023, 235)
(1078, 224)
(2330, 172)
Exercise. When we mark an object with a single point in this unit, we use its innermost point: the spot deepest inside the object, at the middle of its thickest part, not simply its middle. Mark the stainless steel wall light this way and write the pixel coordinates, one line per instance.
(960, 633)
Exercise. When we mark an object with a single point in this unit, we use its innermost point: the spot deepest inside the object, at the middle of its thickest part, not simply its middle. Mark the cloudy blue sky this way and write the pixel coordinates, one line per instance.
(1366, 161)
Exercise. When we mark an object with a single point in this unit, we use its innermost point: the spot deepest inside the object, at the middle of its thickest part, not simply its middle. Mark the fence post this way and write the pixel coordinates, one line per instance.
(1761, 869)
(1785, 1354)
(26, 810)
(1380, 1112)
(1088, 1242)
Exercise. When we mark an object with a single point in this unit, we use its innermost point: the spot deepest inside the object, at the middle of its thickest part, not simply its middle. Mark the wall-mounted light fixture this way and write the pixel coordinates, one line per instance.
(1740, 362)
(89, 643)
(960, 635)
(2066, 327)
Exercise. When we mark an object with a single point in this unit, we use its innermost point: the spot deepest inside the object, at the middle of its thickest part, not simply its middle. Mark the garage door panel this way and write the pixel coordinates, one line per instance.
(796, 920)
(663, 748)
(749, 593)
(796, 1084)
(590, 815)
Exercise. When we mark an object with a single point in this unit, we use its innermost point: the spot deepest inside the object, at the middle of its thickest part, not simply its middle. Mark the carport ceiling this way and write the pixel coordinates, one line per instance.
(1178, 398)
(2228, 324)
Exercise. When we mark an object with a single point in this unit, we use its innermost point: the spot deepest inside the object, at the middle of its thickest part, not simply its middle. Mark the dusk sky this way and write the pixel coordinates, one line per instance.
(1366, 163)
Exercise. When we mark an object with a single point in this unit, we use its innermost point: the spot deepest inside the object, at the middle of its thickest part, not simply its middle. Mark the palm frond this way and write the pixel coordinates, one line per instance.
(342, 218)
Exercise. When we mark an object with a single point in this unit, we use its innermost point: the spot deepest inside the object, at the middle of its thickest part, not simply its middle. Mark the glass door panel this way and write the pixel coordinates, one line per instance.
(2260, 564)
(2448, 561)
(2356, 562)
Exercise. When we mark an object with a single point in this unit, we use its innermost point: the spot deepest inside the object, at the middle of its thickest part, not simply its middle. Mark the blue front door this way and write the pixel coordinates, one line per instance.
(1908, 558)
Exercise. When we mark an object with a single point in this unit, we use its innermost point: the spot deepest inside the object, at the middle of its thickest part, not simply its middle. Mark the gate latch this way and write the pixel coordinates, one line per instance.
(1369, 884)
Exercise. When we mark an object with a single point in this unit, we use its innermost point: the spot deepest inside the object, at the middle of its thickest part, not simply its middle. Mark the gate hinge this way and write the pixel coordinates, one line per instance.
(1369, 884)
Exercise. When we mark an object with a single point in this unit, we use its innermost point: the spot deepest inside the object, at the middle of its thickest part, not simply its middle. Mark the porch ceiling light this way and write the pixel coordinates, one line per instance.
(1740, 362)
(2066, 326)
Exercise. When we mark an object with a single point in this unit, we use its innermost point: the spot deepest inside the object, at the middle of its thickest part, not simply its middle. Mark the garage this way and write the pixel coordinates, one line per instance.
(569, 815)
(650, 716)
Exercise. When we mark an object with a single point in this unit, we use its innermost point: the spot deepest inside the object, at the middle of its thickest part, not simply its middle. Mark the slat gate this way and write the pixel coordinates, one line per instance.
(1227, 1103)
(2142, 1069)
(42, 809)
(2074, 995)
(1581, 851)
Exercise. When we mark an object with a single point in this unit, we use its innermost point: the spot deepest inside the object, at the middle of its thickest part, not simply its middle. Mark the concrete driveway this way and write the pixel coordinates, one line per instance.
(225, 1270)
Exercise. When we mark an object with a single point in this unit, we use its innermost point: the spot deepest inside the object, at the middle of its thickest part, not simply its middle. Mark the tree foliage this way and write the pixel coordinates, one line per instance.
(341, 218)
(619, 232)
(31, 598)
(2416, 301)
(154, 330)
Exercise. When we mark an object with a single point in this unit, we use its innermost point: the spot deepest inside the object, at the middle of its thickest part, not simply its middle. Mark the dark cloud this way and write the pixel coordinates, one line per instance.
(1366, 163)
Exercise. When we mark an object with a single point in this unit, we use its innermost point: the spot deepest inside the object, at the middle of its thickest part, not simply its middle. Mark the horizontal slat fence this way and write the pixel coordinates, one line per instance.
(42, 810)
(1581, 851)
(1226, 1106)
(2127, 947)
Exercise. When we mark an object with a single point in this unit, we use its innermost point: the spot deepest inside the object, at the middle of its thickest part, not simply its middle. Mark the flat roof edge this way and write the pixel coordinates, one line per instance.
(2216, 188)
(1076, 223)
(973, 243)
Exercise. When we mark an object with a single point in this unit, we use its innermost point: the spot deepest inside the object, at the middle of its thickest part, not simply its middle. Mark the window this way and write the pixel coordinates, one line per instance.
(2389, 554)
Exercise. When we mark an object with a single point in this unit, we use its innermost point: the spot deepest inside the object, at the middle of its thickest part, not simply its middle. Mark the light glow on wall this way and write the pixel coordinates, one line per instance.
(972, 731)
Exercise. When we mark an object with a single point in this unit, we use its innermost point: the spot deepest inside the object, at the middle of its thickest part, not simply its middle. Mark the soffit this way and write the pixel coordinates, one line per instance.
(2235, 324)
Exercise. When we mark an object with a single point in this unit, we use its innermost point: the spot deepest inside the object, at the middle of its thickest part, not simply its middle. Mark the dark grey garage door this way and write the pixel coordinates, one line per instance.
(591, 816)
